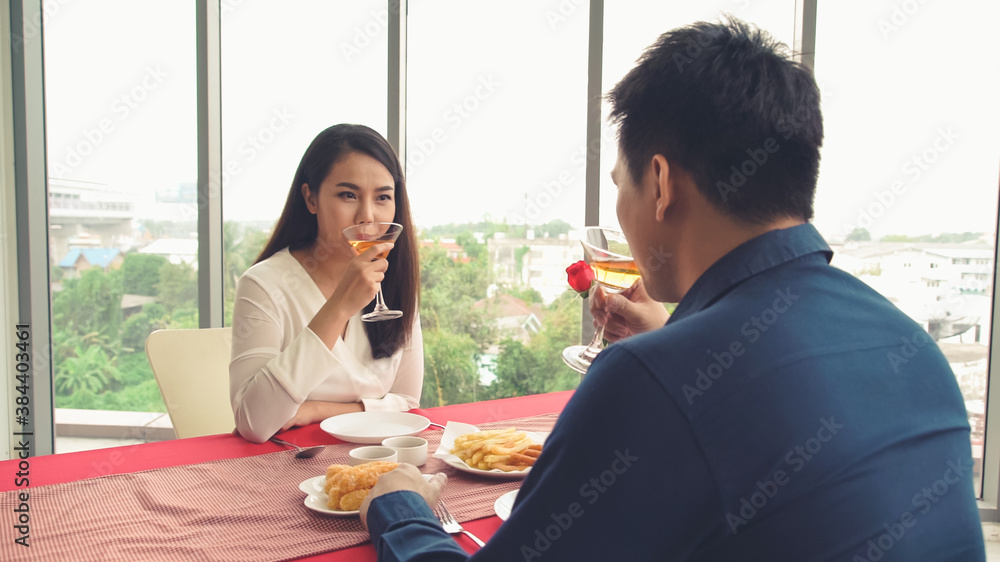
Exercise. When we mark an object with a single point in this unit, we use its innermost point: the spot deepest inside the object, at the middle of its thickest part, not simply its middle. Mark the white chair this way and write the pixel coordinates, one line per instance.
(192, 370)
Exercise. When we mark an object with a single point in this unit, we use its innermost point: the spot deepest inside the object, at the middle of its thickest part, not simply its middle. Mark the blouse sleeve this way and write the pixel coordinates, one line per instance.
(408, 384)
(263, 388)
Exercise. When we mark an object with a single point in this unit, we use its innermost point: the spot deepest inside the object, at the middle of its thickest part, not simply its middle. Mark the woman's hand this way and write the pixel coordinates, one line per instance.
(627, 313)
(359, 283)
(356, 288)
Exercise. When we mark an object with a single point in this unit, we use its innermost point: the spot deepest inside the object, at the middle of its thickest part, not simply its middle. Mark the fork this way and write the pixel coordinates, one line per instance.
(451, 525)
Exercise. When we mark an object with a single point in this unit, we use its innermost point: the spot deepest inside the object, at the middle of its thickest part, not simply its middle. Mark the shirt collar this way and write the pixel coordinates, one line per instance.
(758, 254)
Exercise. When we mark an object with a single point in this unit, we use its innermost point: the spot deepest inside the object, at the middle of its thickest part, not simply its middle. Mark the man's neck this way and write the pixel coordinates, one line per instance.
(708, 241)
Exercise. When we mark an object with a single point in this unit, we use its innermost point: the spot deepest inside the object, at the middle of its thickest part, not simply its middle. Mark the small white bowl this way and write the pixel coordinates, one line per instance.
(410, 449)
(371, 453)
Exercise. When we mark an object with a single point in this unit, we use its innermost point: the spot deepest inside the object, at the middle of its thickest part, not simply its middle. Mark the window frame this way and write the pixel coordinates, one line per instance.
(24, 129)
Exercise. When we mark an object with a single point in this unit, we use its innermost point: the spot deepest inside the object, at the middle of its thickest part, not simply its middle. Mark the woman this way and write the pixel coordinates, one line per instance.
(301, 353)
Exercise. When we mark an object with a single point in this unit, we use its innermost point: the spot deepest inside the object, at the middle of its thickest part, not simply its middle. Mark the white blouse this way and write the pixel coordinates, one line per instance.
(278, 362)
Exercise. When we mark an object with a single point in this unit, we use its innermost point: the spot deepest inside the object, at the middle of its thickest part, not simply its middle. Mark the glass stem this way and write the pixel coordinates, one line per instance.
(379, 301)
(595, 346)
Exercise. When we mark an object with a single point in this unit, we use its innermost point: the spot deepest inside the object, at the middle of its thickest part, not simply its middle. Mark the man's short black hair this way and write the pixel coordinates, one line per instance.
(725, 102)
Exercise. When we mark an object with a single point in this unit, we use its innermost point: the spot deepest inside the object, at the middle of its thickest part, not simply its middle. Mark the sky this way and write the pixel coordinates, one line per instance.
(497, 101)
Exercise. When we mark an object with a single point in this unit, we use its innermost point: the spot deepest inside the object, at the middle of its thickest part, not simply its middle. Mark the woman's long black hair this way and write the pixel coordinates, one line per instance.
(297, 228)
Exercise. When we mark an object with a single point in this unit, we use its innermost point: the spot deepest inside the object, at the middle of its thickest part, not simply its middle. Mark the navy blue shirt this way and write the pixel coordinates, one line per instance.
(786, 411)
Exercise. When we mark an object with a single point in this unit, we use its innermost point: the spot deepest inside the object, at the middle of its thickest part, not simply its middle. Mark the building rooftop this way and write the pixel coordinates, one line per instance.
(99, 257)
(873, 249)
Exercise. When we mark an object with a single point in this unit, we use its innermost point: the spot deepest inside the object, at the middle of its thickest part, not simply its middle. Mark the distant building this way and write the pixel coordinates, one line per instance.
(132, 304)
(88, 214)
(946, 287)
(454, 251)
(80, 259)
(536, 263)
(513, 318)
(176, 250)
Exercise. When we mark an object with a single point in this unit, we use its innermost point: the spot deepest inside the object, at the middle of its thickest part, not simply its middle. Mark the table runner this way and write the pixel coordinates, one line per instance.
(247, 509)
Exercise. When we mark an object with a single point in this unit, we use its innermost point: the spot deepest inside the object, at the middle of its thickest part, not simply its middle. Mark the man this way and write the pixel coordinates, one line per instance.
(785, 411)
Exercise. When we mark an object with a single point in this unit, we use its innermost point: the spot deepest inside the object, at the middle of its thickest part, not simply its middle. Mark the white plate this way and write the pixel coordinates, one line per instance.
(505, 504)
(318, 504)
(494, 473)
(317, 501)
(313, 486)
(453, 430)
(373, 427)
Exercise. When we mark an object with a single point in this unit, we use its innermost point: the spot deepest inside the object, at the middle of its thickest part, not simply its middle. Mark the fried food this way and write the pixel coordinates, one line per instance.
(331, 471)
(334, 469)
(504, 449)
(347, 487)
(352, 501)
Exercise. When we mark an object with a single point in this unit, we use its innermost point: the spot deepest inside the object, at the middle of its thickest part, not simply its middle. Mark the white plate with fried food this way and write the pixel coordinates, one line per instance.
(373, 427)
(500, 453)
(357, 479)
(318, 504)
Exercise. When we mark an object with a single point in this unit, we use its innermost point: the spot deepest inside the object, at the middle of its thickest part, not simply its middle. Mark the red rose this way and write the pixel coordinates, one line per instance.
(580, 277)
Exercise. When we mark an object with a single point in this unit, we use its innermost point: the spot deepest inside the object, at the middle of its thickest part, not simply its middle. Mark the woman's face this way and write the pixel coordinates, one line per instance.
(358, 189)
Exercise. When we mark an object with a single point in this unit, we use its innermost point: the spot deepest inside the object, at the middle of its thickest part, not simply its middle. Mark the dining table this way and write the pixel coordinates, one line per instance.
(221, 497)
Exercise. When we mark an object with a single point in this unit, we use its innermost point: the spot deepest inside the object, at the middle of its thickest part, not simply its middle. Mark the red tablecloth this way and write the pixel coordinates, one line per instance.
(69, 467)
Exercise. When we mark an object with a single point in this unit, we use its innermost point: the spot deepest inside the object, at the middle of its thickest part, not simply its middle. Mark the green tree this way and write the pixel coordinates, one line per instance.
(455, 331)
(471, 246)
(537, 366)
(859, 235)
(519, 254)
(451, 375)
(178, 287)
(449, 289)
(554, 228)
(141, 273)
(88, 369)
(91, 303)
(241, 245)
(137, 327)
(526, 294)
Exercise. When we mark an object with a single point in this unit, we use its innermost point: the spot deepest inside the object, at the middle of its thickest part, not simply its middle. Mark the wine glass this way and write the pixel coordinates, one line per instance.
(364, 236)
(614, 268)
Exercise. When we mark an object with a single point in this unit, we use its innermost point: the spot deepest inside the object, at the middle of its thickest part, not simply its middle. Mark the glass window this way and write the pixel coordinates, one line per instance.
(496, 138)
(908, 182)
(121, 153)
(319, 63)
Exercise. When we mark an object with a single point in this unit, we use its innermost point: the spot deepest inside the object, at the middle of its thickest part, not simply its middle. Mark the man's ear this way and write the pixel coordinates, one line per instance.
(664, 178)
(309, 197)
